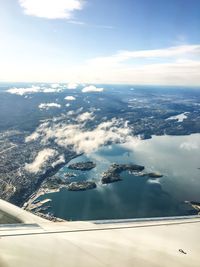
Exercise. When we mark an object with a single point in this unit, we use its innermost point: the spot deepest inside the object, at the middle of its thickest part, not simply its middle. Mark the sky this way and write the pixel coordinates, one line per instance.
(153, 42)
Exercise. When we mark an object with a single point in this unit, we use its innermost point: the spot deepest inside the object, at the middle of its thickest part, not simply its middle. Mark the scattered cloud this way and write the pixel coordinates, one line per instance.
(60, 160)
(180, 118)
(51, 9)
(55, 85)
(31, 138)
(81, 139)
(85, 117)
(71, 113)
(92, 88)
(72, 86)
(70, 98)
(34, 89)
(24, 91)
(47, 106)
(41, 160)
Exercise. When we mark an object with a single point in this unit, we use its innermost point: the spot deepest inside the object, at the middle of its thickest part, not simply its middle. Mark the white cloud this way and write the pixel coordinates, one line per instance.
(33, 89)
(170, 52)
(71, 113)
(85, 117)
(72, 86)
(180, 118)
(49, 105)
(55, 85)
(178, 65)
(60, 160)
(41, 160)
(81, 139)
(51, 9)
(70, 98)
(24, 91)
(34, 136)
(92, 88)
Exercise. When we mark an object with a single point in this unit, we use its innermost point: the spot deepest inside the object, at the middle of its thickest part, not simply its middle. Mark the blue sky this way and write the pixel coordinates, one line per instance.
(101, 41)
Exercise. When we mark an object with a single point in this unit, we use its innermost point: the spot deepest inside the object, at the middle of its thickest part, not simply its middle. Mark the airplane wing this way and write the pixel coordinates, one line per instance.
(30, 241)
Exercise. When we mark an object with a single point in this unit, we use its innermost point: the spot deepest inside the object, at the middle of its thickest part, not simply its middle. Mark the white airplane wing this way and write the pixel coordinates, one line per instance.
(29, 241)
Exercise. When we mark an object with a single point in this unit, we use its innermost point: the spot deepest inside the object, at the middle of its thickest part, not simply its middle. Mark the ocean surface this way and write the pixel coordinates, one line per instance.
(176, 157)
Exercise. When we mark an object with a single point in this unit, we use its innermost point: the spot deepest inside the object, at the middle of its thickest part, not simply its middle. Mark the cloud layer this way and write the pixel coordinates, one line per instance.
(40, 161)
(176, 65)
(79, 138)
(51, 9)
(170, 52)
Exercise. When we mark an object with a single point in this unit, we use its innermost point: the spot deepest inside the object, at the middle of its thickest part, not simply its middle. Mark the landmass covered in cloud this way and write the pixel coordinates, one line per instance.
(92, 88)
(79, 138)
(47, 106)
(41, 159)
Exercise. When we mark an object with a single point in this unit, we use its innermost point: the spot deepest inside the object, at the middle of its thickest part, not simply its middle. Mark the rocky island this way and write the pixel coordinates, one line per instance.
(113, 173)
(69, 175)
(110, 177)
(81, 186)
(154, 175)
(82, 166)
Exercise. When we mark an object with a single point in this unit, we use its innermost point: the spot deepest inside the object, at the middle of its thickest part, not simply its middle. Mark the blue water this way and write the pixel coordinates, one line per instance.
(176, 157)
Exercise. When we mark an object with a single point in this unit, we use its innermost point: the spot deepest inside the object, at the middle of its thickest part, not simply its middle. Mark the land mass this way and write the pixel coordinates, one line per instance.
(81, 186)
(153, 175)
(147, 111)
(113, 173)
(82, 166)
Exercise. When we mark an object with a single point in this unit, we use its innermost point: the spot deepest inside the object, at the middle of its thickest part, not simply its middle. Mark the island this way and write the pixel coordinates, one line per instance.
(81, 186)
(126, 167)
(69, 175)
(153, 175)
(113, 173)
(110, 177)
(82, 166)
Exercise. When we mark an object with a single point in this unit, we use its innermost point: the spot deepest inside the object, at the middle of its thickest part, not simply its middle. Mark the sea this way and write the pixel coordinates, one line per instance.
(177, 158)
